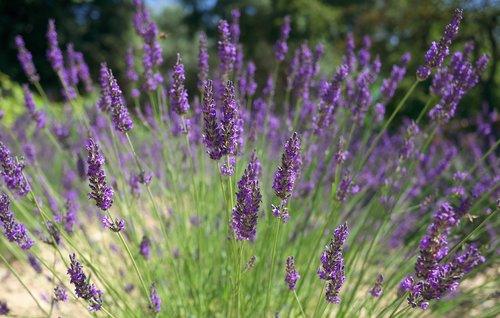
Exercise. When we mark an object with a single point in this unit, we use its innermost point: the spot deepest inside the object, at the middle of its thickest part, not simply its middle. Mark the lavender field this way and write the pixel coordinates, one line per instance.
(302, 195)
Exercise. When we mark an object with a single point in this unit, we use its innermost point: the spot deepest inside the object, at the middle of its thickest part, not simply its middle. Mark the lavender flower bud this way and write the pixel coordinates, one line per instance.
(155, 305)
(82, 288)
(212, 133)
(54, 53)
(292, 276)
(230, 122)
(145, 247)
(332, 264)
(235, 25)
(439, 50)
(248, 198)
(34, 263)
(129, 62)
(83, 72)
(4, 309)
(116, 226)
(104, 102)
(281, 47)
(12, 172)
(26, 60)
(203, 67)
(13, 230)
(101, 193)
(120, 115)
(226, 48)
(377, 290)
(60, 294)
(178, 94)
(37, 116)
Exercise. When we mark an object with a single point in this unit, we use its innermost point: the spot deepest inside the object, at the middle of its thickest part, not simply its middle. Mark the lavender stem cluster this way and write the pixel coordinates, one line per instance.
(83, 289)
(13, 230)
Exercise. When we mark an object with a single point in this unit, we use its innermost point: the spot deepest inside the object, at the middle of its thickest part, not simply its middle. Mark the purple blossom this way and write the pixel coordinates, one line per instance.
(235, 25)
(439, 50)
(26, 60)
(350, 58)
(248, 198)
(71, 67)
(36, 115)
(12, 172)
(155, 305)
(212, 133)
(120, 115)
(104, 102)
(377, 290)
(226, 48)
(60, 294)
(101, 192)
(364, 52)
(281, 47)
(117, 225)
(398, 72)
(332, 268)
(203, 67)
(230, 122)
(292, 276)
(145, 247)
(345, 187)
(178, 94)
(83, 289)
(287, 173)
(13, 230)
(54, 53)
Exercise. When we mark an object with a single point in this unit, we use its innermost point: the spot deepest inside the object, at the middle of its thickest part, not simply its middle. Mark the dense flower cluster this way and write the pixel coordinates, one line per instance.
(26, 60)
(13, 230)
(101, 192)
(248, 198)
(37, 116)
(292, 276)
(12, 172)
(155, 305)
(332, 264)
(178, 94)
(83, 289)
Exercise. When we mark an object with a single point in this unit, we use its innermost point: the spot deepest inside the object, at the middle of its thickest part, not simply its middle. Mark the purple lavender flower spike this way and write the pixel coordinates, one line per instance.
(69, 220)
(286, 174)
(345, 187)
(83, 289)
(226, 48)
(12, 172)
(101, 192)
(281, 47)
(230, 122)
(248, 198)
(332, 264)
(54, 53)
(235, 25)
(104, 102)
(129, 62)
(350, 58)
(212, 133)
(152, 57)
(120, 115)
(145, 247)
(364, 52)
(60, 294)
(83, 72)
(178, 94)
(251, 86)
(26, 60)
(36, 115)
(116, 226)
(13, 230)
(203, 67)
(438, 51)
(292, 276)
(377, 290)
(155, 305)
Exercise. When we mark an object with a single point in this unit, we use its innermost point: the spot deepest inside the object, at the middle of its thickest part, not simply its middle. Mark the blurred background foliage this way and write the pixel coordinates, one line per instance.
(102, 30)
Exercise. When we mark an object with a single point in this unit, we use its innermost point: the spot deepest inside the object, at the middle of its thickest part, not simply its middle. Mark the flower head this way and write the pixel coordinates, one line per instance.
(26, 60)
(292, 276)
(36, 115)
(120, 115)
(12, 172)
(281, 47)
(248, 198)
(83, 289)
(101, 192)
(178, 94)
(13, 230)
(332, 264)
(155, 300)
(60, 294)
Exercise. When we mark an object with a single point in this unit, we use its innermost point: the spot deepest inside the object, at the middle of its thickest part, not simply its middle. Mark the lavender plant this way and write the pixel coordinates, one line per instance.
(191, 203)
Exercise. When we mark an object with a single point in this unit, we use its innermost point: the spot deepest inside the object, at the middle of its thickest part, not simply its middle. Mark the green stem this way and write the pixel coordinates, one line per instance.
(273, 256)
(298, 303)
